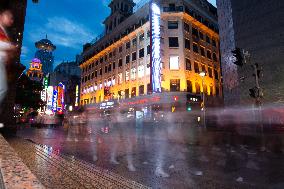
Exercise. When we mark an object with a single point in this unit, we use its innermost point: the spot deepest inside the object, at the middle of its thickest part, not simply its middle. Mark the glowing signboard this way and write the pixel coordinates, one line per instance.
(77, 95)
(49, 97)
(156, 48)
(43, 95)
(60, 98)
(54, 99)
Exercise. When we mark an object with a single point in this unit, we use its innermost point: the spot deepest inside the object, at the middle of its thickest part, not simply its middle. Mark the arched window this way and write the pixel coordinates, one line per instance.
(189, 86)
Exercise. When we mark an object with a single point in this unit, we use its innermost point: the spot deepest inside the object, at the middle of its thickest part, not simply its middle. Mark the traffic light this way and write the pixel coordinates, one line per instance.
(188, 107)
(238, 57)
(254, 92)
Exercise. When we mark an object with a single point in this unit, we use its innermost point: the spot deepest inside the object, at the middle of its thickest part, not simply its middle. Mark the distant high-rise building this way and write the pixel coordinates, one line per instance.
(255, 26)
(44, 53)
(35, 71)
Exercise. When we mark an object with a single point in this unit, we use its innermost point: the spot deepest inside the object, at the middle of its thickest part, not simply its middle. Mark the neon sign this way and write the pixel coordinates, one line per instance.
(54, 99)
(77, 95)
(60, 98)
(49, 98)
(156, 48)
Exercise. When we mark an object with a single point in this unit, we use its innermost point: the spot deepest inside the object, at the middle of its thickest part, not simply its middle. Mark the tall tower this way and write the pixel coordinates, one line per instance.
(44, 53)
(120, 10)
(35, 71)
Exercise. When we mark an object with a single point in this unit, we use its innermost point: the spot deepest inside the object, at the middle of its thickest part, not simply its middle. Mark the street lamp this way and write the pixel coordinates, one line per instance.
(203, 74)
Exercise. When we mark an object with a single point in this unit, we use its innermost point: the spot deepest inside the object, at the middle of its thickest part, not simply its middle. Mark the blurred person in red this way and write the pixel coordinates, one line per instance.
(6, 50)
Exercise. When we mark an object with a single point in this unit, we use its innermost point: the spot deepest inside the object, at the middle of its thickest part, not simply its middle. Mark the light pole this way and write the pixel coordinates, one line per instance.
(202, 74)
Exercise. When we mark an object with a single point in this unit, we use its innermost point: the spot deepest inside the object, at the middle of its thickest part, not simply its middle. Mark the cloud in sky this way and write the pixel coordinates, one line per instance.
(64, 32)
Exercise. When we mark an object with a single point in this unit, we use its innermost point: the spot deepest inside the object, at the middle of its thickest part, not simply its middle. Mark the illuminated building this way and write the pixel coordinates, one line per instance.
(35, 72)
(256, 27)
(158, 48)
(44, 53)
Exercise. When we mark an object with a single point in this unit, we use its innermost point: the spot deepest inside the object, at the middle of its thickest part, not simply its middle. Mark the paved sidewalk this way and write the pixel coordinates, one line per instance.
(14, 173)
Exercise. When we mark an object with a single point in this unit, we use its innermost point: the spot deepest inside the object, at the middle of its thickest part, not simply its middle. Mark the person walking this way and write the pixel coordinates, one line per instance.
(6, 51)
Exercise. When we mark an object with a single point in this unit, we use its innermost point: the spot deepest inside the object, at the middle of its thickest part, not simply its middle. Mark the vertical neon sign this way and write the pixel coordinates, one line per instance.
(156, 48)
(77, 95)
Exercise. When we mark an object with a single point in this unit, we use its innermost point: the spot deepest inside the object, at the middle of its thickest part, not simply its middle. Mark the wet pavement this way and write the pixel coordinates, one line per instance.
(156, 155)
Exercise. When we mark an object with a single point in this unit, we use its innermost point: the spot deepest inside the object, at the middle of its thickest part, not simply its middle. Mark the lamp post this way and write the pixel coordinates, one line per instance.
(203, 74)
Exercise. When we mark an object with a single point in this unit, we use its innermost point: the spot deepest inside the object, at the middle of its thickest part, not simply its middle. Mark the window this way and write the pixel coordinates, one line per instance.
(141, 90)
(113, 65)
(97, 62)
(93, 74)
(203, 68)
(126, 93)
(141, 37)
(148, 34)
(119, 78)
(141, 53)
(110, 55)
(148, 69)
(109, 68)
(174, 63)
(186, 26)
(172, 24)
(134, 41)
(96, 73)
(202, 51)
(209, 56)
(197, 88)
(189, 86)
(214, 43)
(134, 56)
(215, 57)
(196, 67)
(210, 72)
(148, 49)
(216, 74)
(120, 49)
(101, 60)
(105, 57)
(101, 71)
(207, 39)
(120, 63)
(217, 91)
(127, 46)
(195, 48)
(105, 69)
(127, 59)
(175, 85)
(173, 42)
(187, 64)
(201, 36)
(133, 74)
(195, 32)
(140, 71)
(133, 92)
(126, 75)
(187, 43)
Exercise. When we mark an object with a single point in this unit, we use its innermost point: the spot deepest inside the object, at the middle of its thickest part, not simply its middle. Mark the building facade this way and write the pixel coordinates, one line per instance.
(255, 27)
(167, 43)
(44, 53)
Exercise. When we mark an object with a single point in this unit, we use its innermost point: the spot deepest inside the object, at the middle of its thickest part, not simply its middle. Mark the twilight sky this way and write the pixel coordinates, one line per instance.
(68, 24)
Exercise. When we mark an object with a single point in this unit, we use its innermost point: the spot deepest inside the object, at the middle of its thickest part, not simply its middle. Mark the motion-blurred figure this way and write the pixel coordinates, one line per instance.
(6, 50)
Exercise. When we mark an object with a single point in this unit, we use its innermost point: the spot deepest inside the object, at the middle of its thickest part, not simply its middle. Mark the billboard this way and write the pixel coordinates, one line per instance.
(156, 48)
(60, 98)
(49, 98)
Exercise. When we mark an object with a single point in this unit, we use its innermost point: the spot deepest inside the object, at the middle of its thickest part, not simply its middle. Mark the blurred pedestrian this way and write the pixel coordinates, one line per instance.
(6, 50)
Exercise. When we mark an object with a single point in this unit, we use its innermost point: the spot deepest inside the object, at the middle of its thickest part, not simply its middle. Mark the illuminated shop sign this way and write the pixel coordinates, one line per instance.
(49, 97)
(77, 95)
(105, 105)
(43, 95)
(156, 48)
(60, 98)
(54, 99)
(45, 82)
(142, 101)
